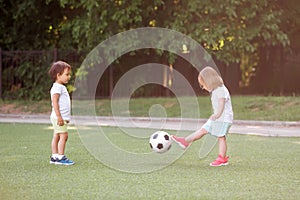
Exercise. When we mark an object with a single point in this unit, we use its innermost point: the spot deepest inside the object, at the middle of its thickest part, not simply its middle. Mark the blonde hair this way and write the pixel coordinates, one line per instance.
(210, 78)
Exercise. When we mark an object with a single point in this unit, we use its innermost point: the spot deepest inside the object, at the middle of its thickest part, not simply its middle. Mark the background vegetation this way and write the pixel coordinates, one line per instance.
(255, 43)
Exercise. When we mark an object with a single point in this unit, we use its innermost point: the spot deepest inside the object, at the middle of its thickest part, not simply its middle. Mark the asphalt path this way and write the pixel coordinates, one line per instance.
(261, 128)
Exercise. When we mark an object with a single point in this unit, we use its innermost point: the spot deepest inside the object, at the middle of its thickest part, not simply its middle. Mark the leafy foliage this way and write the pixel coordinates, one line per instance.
(230, 30)
(30, 81)
(227, 29)
(29, 24)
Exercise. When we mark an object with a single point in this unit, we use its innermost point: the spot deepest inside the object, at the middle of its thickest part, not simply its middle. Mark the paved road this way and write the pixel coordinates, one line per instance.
(263, 128)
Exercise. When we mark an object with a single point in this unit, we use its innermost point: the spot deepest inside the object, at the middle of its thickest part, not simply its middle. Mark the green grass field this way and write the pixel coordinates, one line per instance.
(260, 168)
(245, 107)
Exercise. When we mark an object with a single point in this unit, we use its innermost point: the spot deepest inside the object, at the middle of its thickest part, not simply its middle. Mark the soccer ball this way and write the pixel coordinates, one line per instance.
(160, 142)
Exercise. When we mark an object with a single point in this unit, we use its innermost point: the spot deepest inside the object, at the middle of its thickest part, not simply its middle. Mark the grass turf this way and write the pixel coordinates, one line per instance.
(271, 108)
(260, 168)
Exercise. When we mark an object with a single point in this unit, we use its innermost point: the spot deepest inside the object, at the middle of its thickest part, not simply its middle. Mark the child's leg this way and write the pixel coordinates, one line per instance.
(196, 135)
(63, 137)
(54, 144)
(222, 158)
(185, 142)
(222, 146)
(62, 159)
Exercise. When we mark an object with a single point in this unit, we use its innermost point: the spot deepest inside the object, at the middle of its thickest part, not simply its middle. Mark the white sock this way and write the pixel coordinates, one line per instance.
(54, 155)
(60, 156)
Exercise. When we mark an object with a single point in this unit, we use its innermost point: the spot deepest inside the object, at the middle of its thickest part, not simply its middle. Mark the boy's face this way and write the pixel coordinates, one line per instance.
(64, 77)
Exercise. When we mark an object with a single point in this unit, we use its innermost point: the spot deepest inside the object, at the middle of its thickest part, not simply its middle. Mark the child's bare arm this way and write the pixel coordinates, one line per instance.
(220, 111)
(55, 99)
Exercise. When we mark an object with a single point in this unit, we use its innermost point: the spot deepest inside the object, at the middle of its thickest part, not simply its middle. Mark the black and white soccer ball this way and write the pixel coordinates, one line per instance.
(160, 142)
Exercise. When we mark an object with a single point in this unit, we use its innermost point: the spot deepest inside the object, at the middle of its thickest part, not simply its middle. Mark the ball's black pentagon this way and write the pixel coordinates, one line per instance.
(166, 137)
(160, 146)
(155, 136)
(151, 145)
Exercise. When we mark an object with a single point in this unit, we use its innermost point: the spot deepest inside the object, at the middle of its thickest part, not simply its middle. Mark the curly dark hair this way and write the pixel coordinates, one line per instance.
(57, 68)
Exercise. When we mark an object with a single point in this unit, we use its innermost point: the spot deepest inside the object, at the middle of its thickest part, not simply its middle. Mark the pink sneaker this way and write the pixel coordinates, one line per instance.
(220, 161)
(180, 141)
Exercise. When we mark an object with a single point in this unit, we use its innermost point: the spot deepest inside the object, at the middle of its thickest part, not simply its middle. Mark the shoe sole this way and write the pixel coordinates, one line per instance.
(222, 164)
(67, 164)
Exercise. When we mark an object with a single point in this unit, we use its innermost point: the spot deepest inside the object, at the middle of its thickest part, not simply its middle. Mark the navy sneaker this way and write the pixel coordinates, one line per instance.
(52, 160)
(64, 161)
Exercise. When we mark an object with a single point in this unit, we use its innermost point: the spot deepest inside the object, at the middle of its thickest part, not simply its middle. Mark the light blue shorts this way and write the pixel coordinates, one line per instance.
(217, 128)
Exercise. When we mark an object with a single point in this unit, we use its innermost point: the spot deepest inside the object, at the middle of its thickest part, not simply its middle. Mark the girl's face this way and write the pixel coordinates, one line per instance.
(202, 84)
(64, 77)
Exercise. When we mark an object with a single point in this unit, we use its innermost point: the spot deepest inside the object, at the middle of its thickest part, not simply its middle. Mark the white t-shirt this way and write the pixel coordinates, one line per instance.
(216, 94)
(64, 101)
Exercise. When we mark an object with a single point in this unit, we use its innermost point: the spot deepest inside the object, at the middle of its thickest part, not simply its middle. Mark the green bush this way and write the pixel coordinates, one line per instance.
(29, 80)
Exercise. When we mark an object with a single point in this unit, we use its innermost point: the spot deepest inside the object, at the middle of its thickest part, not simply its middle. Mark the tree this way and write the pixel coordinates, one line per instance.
(242, 32)
(232, 31)
(277, 73)
(29, 24)
(87, 23)
(226, 28)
